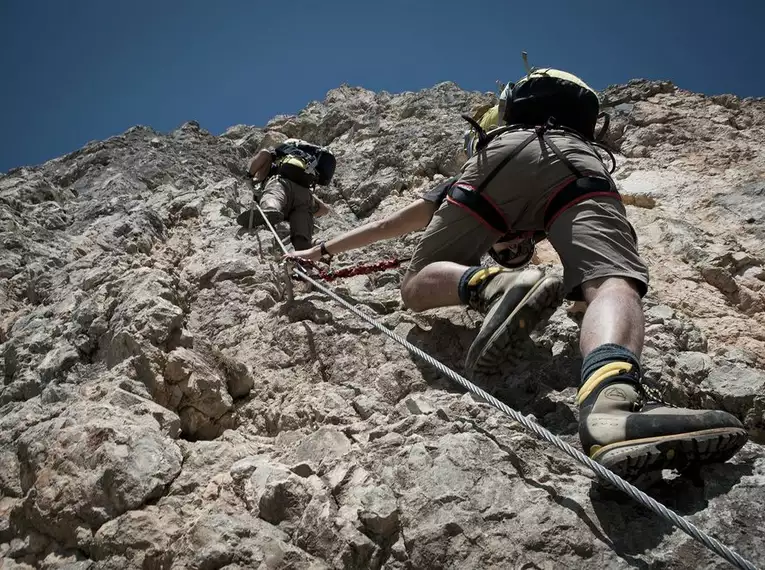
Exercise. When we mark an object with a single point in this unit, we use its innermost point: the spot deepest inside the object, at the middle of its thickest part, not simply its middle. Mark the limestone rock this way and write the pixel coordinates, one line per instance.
(163, 405)
(89, 465)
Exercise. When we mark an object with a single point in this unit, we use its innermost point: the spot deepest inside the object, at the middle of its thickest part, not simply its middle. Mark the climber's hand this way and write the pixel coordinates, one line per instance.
(313, 254)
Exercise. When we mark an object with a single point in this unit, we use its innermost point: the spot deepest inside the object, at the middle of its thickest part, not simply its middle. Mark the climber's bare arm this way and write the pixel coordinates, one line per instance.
(260, 165)
(413, 217)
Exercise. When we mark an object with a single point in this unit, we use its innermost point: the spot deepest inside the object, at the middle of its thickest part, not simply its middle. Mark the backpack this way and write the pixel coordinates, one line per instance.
(558, 98)
(304, 163)
(547, 98)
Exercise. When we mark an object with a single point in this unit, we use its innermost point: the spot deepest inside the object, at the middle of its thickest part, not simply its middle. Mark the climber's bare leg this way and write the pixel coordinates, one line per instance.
(436, 285)
(614, 315)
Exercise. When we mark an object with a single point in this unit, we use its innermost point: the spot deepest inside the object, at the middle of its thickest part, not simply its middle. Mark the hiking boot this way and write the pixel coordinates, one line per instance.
(635, 437)
(514, 303)
(274, 216)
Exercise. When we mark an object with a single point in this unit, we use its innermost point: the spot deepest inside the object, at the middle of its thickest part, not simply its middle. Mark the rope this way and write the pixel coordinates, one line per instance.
(331, 275)
(686, 526)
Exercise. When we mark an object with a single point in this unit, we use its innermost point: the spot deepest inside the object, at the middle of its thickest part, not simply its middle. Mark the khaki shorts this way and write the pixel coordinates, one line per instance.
(296, 203)
(593, 238)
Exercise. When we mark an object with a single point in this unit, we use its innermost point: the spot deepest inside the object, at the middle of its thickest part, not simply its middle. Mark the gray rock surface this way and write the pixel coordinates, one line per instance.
(163, 405)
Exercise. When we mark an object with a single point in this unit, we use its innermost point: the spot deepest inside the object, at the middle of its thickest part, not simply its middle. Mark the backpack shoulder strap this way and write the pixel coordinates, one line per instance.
(561, 156)
(606, 123)
(610, 155)
(482, 136)
(592, 143)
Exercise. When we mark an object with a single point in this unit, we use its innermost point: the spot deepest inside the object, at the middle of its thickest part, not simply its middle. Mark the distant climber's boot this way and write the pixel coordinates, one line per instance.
(514, 302)
(636, 438)
(252, 218)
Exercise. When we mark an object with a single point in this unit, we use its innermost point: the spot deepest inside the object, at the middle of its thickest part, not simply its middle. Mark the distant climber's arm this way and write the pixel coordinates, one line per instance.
(413, 217)
(260, 165)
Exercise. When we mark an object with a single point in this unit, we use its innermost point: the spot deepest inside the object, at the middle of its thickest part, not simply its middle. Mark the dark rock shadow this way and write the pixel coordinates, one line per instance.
(304, 310)
(634, 529)
(532, 386)
(581, 513)
(264, 235)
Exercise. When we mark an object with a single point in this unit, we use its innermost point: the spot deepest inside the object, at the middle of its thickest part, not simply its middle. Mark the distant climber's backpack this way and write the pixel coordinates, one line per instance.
(304, 163)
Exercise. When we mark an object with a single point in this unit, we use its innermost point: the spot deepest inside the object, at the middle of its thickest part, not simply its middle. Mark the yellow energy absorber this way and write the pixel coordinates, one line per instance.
(292, 160)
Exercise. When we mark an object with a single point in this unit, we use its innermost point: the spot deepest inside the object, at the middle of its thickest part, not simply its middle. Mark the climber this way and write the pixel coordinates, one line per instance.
(512, 253)
(541, 173)
(291, 171)
(541, 176)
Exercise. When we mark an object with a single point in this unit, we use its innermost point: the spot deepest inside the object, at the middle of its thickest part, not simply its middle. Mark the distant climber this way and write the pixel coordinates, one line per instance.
(291, 171)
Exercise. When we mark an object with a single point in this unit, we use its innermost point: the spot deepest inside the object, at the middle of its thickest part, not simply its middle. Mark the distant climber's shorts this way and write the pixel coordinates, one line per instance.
(295, 202)
(592, 238)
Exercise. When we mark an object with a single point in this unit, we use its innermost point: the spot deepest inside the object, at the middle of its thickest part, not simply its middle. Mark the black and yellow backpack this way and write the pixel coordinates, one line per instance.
(555, 97)
(547, 98)
(304, 163)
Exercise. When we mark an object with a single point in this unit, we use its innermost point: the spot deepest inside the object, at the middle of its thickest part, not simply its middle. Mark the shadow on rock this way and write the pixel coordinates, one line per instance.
(305, 310)
(634, 529)
(532, 386)
(263, 235)
(581, 513)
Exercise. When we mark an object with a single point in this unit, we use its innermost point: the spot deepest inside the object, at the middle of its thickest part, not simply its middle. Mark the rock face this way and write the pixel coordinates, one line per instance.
(164, 406)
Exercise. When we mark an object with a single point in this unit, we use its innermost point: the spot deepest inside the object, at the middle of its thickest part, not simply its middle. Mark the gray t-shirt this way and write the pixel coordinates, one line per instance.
(438, 194)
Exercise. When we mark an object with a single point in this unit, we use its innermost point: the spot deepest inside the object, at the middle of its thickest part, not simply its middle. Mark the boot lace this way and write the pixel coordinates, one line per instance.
(648, 394)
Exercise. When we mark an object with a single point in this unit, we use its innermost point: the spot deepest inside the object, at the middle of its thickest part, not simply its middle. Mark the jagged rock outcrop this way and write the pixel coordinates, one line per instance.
(164, 406)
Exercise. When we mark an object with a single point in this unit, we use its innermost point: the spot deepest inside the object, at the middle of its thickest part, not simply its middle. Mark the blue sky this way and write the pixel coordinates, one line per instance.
(78, 70)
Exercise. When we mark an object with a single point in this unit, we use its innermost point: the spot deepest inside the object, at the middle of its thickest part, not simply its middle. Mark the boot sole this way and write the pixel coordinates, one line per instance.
(511, 339)
(243, 219)
(642, 460)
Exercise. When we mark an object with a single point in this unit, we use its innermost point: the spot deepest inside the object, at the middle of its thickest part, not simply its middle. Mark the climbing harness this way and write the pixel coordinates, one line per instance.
(582, 187)
(686, 526)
